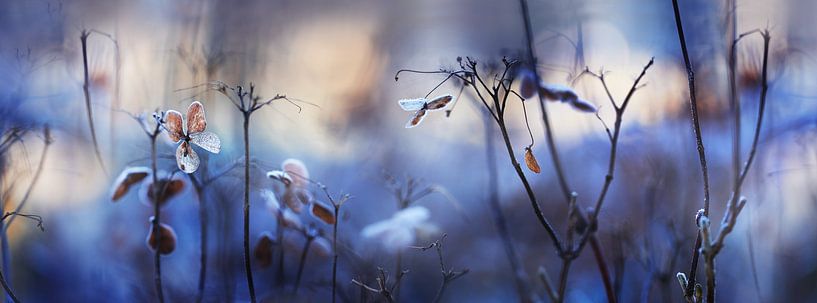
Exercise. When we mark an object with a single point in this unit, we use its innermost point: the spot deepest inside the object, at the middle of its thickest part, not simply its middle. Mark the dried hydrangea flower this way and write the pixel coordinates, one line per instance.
(422, 106)
(193, 132)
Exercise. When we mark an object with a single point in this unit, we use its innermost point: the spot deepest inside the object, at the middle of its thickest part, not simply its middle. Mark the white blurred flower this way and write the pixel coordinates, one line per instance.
(402, 229)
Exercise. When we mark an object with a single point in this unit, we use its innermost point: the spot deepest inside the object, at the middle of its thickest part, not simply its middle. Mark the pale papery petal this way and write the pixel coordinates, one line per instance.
(196, 122)
(206, 140)
(186, 158)
(173, 125)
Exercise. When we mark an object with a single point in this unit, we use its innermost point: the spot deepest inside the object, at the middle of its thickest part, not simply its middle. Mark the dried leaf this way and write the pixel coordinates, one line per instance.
(530, 161)
(583, 105)
(126, 179)
(323, 213)
(439, 103)
(168, 239)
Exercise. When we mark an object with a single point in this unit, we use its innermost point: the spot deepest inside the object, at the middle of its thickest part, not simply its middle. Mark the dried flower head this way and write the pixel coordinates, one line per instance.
(422, 106)
(192, 132)
(126, 179)
(168, 239)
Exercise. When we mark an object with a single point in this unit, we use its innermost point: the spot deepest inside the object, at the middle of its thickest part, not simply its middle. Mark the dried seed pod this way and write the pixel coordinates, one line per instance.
(531, 162)
(583, 105)
(166, 189)
(263, 250)
(168, 239)
(126, 179)
(323, 213)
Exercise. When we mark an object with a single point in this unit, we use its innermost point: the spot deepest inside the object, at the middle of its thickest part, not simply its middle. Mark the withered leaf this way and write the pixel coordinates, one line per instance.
(167, 242)
(126, 179)
(530, 161)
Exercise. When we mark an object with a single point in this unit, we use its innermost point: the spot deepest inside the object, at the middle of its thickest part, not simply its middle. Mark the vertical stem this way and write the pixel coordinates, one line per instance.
(247, 266)
(157, 261)
(302, 263)
(563, 278)
(203, 226)
(398, 268)
(86, 90)
(497, 214)
(5, 250)
(696, 126)
(335, 251)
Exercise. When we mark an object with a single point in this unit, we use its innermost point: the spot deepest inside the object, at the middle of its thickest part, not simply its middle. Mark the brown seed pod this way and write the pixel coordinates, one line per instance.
(263, 250)
(323, 213)
(126, 179)
(530, 161)
(168, 239)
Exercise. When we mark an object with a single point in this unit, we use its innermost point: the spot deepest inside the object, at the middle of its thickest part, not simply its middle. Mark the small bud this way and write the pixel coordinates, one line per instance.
(263, 250)
(699, 292)
(682, 279)
(126, 179)
(531, 162)
(168, 239)
(323, 213)
(703, 222)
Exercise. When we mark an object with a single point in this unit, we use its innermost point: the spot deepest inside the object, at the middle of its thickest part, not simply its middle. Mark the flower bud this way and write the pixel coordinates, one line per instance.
(531, 162)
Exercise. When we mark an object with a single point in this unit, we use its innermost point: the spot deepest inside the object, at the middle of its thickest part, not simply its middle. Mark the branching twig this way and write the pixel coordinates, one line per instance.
(448, 274)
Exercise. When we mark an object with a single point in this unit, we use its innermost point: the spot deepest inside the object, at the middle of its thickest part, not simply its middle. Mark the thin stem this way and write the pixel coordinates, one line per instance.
(696, 126)
(47, 141)
(497, 213)
(203, 232)
(157, 261)
(563, 279)
(7, 288)
(302, 263)
(86, 90)
(335, 252)
(247, 265)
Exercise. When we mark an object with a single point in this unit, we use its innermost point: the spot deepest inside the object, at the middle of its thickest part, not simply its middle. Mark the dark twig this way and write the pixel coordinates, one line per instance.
(86, 90)
(448, 275)
(47, 140)
(696, 127)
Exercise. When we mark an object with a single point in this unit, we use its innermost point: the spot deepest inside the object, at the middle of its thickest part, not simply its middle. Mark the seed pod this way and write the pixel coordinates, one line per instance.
(126, 179)
(527, 84)
(168, 239)
(583, 105)
(323, 213)
(263, 250)
(530, 161)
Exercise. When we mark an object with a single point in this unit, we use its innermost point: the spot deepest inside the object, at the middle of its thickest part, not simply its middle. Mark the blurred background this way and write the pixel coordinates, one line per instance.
(337, 59)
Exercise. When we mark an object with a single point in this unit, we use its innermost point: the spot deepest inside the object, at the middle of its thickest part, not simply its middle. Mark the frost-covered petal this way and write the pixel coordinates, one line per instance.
(186, 158)
(206, 140)
(126, 179)
(196, 121)
(173, 125)
(412, 104)
(439, 103)
(281, 176)
(416, 119)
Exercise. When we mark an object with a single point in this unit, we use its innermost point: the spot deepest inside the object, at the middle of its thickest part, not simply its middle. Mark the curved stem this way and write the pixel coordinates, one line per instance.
(8, 289)
(302, 263)
(86, 90)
